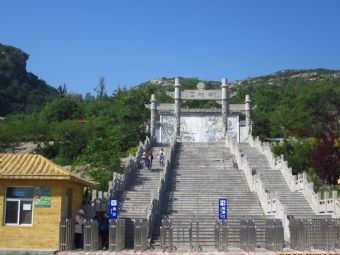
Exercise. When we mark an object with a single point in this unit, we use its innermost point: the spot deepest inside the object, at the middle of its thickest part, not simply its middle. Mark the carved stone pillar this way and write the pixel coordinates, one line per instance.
(248, 106)
(177, 107)
(153, 108)
(225, 106)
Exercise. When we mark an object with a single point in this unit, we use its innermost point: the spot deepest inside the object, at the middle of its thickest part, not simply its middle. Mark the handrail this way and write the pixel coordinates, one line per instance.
(270, 203)
(157, 197)
(298, 182)
(255, 184)
(120, 182)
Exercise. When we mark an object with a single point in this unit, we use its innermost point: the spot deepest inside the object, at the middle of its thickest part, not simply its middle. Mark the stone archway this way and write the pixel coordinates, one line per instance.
(200, 125)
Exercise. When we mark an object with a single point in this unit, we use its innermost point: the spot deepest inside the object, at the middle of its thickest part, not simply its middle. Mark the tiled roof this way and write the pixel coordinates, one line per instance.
(33, 166)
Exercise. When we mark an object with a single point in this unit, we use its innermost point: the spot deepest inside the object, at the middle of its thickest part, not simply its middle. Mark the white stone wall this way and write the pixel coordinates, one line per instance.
(243, 134)
(198, 127)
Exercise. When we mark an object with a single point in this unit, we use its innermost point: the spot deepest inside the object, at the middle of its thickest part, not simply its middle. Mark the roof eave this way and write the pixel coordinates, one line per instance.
(75, 179)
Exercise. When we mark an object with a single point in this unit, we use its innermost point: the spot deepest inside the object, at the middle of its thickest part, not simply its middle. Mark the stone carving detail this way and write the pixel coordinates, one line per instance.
(214, 132)
(201, 85)
(233, 128)
(167, 128)
(198, 127)
(198, 95)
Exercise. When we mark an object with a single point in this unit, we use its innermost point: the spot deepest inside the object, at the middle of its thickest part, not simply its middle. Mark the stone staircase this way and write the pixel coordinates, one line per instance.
(203, 173)
(134, 203)
(294, 203)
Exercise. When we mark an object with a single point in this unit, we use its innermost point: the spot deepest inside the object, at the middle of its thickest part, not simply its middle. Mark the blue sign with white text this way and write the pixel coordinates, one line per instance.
(222, 209)
(113, 209)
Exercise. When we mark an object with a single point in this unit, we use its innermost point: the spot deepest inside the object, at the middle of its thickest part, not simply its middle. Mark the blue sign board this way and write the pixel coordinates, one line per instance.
(222, 209)
(113, 209)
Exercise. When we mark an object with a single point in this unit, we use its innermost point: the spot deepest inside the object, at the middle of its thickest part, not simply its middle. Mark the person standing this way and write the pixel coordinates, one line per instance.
(161, 156)
(103, 227)
(150, 157)
(145, 160)
(78, 229)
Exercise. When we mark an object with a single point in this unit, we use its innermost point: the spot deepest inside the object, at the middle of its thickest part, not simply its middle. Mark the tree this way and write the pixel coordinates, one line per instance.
(62, 91)
(103, 159)
(61, 109)
(72, 138)
(100, 89)
(10, 137)
(297, 152)
(89, 97)
(326, 157)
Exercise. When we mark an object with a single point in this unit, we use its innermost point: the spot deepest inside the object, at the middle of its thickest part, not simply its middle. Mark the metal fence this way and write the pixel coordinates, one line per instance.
(117, 235)
(166, 235)
(140, 235)
(274, 235)
(179, 236)
(249, 235)
(194, 235)
(91, 241)
(309, 234)
(66, 235)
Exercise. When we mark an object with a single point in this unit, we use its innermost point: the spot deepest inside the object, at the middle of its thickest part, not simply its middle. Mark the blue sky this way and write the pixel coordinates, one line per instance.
(129, 42)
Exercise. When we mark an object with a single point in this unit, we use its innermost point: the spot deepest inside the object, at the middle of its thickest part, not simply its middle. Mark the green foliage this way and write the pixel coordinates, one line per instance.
(22, 128)
(20, 91)
(325, 157)
(99, 131)
(104, 161)
(290, 104)
(61, 109)
(95, 132)
(297, 152)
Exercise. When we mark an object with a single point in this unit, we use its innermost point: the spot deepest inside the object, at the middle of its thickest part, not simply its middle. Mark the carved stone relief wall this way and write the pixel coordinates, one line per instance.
(197, 127)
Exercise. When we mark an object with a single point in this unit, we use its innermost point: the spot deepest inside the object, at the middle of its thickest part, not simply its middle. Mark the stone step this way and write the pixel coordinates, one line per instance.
(196, 184)
(294, 203)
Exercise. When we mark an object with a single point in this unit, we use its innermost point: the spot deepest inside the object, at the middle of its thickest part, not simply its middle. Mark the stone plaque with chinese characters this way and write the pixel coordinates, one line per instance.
(200, 94)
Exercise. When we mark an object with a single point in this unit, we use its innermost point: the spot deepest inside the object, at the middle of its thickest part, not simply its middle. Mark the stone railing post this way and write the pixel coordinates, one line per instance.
(335, 197)
(325, 199)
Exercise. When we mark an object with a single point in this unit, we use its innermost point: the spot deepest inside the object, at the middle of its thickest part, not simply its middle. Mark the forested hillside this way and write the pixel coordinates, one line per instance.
(20, 91)
(293, 106)
(303, 107)
(98, 132)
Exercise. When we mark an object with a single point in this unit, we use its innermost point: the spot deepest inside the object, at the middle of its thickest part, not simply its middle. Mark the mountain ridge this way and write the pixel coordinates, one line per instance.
(306, 74)
(20, 90)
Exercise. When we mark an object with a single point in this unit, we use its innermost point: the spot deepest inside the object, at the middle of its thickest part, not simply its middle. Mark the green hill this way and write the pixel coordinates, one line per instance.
(293, 102)
(319, 74)
(20, 91)
(101, 131)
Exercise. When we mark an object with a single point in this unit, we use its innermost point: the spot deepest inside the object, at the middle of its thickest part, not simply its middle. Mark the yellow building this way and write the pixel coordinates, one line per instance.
(35, 194)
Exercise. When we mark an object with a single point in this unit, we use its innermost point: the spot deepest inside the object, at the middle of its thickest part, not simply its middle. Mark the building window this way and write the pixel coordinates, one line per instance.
(19, 206)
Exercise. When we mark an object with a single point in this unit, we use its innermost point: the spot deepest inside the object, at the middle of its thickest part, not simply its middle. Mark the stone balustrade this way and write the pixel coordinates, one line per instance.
(325, 205)
(157, 197)
(267, 198)
(269, 201)
(120, 182)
